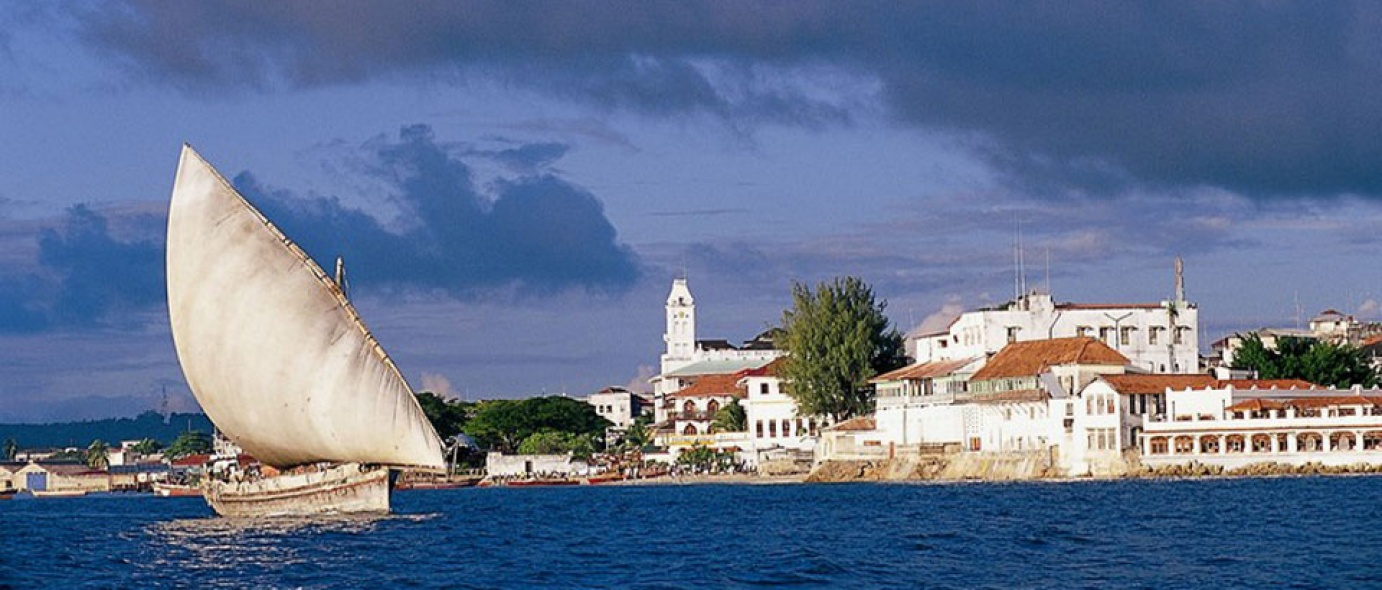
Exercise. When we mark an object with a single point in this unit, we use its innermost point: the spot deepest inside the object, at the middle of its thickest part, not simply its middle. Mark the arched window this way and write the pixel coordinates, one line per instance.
(1341, 441)
(1309, 442)
(690, 430)
(1159, 446)
(1234, 443)
(712, 407)
(1185, 445)
(1209, 443)
(689, 407)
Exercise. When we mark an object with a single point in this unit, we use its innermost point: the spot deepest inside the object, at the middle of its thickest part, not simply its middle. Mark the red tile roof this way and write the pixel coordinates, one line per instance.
(1030, 358)
(768, 370)
(1253, 405)
(1157, 383)
(712, 386)
(923, 370)
(1305, 402)
(192, 460)
(1160, 382)
(1267, 384)
(860, 423)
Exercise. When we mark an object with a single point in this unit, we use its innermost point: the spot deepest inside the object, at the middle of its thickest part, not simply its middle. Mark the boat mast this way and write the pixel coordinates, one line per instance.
(341, 278)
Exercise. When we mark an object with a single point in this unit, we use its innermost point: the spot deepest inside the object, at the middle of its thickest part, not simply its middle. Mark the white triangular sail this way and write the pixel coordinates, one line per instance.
(275, 354)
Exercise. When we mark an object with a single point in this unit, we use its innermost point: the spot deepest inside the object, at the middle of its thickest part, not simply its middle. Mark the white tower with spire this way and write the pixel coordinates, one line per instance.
(681, 327)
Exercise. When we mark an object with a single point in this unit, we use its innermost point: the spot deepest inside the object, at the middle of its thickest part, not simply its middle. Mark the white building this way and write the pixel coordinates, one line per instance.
(1022, 399)
(687, 358)
(619, 405)
(1329, 326)
(1232, 426)
(772, 419)
(1155, 337)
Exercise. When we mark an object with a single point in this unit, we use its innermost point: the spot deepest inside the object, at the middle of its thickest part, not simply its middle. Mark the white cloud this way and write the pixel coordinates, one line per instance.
(437, 384)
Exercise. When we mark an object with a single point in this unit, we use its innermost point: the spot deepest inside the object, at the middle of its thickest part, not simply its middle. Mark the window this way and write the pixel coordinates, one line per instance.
(785, 432)
(763, 388)
(1125, 336)
(712, 407)
(1153, 334)
(1104, 333)
(759, 428)
(1012, 333)
(689, 407)
(772, 429)
(690, 430)
(1108, 404)
(1083, 330)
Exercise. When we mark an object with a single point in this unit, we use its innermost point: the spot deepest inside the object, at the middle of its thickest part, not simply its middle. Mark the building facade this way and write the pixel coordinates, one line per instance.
(686, 358)
(1233, 426)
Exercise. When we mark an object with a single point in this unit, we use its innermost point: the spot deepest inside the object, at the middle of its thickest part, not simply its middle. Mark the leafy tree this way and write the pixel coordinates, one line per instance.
(730, 418)
(837, 338)
(549, 442)
(1323, 363)
(11, 449)
(638, 435)
(97, 455)
(191, 442)
(70, 454)
(505, 424)
(448, 416)
(147, 446)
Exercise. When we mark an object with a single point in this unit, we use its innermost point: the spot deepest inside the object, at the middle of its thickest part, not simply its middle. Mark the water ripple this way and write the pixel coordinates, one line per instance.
(1299, 532)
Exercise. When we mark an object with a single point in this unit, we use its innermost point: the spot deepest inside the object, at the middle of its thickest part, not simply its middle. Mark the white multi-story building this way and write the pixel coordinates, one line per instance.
(1156, 337)
(687, 358)
(1021, 399)
(772, 419)
(1232, 426)
(618, 405)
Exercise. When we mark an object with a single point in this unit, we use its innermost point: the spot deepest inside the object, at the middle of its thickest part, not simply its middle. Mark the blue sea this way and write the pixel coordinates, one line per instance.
(1321, 532)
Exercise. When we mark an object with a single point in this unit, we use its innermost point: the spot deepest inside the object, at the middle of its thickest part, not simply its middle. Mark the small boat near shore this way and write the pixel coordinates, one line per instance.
(57, 493)
(175, 490)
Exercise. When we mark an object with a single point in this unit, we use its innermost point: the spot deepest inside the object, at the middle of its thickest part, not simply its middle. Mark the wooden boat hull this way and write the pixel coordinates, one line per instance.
(340, 489)
(58, 493)
(175, 491)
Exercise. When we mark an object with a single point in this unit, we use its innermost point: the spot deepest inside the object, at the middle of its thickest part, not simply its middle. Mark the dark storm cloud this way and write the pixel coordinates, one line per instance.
(536, 233)
(529, 158)
(84, 276)
(1260, 98)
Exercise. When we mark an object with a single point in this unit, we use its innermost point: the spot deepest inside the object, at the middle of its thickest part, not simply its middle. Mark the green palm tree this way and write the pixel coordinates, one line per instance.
(11, 449)
(97, 455)
(730, 418)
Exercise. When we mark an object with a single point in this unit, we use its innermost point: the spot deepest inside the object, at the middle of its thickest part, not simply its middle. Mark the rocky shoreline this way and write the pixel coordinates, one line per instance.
(970, 469)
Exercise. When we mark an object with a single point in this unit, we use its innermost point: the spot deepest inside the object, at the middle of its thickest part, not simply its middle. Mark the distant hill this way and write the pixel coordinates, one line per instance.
(111, 430)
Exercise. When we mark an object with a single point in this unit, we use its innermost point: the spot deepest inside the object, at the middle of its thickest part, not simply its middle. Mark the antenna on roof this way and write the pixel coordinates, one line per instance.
(1021, 258)
(1180, 280)
(1048, 270)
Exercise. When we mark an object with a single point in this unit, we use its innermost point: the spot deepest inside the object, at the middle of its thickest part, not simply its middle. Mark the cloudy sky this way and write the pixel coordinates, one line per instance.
(514, 184)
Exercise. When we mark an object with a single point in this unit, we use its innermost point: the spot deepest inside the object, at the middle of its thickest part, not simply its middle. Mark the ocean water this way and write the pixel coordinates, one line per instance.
(1230, 533)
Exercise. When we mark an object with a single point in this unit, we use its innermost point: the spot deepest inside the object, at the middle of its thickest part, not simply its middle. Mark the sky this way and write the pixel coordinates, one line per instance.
(514, 185)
